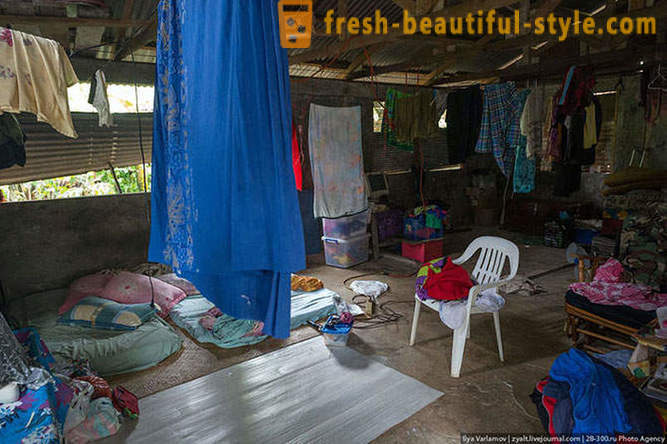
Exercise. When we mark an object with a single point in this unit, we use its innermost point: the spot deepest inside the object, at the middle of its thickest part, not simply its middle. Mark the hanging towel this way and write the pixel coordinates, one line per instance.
(388, 122)
(296, 160)
(524, 166)
(334, 137)
(225, 213)
(499, 132)
(34, 75)
(99, 99)
(532, 120)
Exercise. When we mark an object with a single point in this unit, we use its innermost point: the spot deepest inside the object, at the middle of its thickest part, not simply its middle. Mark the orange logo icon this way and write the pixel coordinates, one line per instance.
(296, 23)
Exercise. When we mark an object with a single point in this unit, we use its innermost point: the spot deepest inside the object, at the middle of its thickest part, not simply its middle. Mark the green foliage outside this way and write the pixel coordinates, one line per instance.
(94, 183)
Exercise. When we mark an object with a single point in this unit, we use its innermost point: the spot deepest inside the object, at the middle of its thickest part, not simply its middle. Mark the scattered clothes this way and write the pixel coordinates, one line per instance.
(388, 123)
(102, 420)
(99, 99)
(261, 229)
(296, 160)
(562, 420)
(442, 279)
(521, 285)
(453, 313)
(306, 283)
(464, 118)
(12, 142)
(598, 406)
(499, 132)
(336, 161)
(549, 404)
(371, 289)
(643, 244)
(616, 358)
(27, 62)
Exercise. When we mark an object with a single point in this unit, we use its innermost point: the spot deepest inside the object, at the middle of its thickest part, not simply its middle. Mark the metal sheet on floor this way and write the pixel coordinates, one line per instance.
(306, 392)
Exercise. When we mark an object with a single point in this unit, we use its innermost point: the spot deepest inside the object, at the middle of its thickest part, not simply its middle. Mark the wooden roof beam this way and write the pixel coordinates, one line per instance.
(361, 58)
(147, 35)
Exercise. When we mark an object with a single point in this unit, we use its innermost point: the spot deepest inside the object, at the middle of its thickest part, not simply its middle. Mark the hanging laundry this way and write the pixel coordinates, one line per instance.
(336, 160)
(524, 166)
(415, 117)
(499, 131)
(12, 142)
(388, 123)
(296, 160)
(34, 75)
(225, 215)
(532, 119)
(464, 118)
(99, 99)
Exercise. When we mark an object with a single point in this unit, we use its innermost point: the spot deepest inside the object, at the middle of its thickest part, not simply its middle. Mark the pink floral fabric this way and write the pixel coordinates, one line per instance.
(638, 296)
(611, 271)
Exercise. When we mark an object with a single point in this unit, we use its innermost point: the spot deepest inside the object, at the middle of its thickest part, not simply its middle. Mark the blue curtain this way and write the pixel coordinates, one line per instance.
(224, 205)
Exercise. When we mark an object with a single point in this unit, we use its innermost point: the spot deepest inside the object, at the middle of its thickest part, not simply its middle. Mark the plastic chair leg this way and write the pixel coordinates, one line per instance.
(458, 347)
(415, 321)
(499, 339)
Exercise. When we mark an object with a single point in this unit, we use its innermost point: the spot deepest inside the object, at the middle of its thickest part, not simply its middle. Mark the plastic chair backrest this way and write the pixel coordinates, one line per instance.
(489, 266)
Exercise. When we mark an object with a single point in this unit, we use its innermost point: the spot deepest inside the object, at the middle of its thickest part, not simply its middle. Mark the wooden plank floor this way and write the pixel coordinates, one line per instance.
(302, 393)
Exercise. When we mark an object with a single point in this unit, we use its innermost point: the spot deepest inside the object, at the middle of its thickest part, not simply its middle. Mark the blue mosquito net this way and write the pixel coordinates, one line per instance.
(224, 207)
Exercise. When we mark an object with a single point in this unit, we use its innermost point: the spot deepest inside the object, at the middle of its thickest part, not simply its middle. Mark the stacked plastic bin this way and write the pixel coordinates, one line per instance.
(346, 240)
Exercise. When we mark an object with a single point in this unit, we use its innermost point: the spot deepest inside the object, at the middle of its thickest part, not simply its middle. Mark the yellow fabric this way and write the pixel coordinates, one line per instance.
(34, 75)
(306, 283)
(590, 128)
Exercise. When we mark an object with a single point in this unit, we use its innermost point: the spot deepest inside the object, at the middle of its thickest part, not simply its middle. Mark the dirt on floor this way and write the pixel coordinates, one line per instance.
(490, 396)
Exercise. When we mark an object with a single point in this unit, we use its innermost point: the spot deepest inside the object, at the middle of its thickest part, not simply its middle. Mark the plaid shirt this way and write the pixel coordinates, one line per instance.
(500, 129)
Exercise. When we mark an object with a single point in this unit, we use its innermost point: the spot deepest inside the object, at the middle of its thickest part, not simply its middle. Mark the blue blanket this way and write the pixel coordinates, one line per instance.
(229, 332)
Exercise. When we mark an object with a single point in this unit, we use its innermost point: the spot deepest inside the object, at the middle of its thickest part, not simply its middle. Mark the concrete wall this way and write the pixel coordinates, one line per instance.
(47, 244)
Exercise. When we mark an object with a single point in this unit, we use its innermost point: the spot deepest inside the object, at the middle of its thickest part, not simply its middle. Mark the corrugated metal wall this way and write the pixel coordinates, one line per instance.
(50, 154)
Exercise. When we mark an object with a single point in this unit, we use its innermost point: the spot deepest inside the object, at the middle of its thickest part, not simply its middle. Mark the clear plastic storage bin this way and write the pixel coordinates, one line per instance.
(345, 253)
(346, 227)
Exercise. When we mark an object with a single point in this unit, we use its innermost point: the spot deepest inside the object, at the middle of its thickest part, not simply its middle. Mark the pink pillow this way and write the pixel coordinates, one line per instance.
(91, 285)
(131, 288)
(179, 282)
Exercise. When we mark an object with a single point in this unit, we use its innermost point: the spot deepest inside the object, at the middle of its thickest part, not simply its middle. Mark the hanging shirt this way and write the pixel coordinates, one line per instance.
(590, 127)
(99, 99)
(34, 75)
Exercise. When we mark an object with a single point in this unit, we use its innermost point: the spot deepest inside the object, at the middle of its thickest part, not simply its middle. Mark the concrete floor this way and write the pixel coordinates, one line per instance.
(490, 396)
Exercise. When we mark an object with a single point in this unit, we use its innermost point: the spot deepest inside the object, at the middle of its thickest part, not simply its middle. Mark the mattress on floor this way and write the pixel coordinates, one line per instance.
(109, 352)
(305, 306)
(621, 314)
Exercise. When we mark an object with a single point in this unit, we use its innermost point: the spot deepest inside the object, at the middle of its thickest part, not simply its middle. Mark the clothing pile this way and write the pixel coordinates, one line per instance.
(51, 400)
(585, 396)
(424, 223)
(442, 280)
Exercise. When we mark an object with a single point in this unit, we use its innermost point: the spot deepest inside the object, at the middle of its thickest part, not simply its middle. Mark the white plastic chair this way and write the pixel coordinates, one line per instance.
(495, 250)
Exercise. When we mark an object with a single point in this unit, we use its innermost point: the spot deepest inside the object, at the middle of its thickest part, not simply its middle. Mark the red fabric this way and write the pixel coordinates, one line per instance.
(451, 283)
(296, 160)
